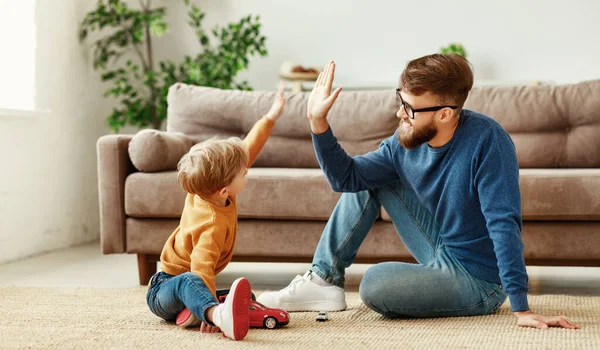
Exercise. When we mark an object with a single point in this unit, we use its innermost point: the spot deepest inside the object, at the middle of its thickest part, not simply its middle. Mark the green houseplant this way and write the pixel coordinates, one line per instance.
(140, 84)
(454, 48)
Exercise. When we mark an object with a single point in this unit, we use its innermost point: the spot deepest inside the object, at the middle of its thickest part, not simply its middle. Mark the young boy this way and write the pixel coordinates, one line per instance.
(213, 173)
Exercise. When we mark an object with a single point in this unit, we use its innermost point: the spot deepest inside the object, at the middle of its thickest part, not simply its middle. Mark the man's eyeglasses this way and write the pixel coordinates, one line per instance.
(411, 111)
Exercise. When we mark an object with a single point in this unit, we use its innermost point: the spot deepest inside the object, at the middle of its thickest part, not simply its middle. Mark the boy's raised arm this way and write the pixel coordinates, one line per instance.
(260, 132)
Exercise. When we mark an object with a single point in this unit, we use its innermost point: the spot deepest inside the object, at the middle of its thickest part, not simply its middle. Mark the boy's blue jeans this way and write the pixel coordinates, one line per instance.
(168, 295)
(437, 286)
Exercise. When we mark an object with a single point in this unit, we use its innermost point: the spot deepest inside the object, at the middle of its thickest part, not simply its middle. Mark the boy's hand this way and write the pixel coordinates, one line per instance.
(206, 328)
(275, 111)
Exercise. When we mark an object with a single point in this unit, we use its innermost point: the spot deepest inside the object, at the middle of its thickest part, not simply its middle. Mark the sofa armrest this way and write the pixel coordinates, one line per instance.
(114, 165)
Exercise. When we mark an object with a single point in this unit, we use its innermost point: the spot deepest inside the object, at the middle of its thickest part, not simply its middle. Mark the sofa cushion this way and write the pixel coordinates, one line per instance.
(543, 240)
(276, 240)
(560, 194)
(154, 150)
(300, 194)
(557, 194)
(304, 194)
(360, 119)
(551, 126)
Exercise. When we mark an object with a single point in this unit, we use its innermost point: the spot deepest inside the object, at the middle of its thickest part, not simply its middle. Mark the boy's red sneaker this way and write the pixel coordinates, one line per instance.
(187, 319)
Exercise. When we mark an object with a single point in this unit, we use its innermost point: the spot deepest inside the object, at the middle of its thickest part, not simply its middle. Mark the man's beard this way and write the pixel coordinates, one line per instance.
(413, 137)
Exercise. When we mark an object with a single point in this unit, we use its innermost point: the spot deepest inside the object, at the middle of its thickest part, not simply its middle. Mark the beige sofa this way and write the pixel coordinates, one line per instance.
(556, 130)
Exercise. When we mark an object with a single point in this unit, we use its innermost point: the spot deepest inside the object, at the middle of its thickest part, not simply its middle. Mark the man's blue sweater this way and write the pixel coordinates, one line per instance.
(470, 186)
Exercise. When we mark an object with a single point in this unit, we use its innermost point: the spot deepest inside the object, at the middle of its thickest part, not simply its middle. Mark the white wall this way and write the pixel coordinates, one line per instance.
(371, 41)
(48, 181)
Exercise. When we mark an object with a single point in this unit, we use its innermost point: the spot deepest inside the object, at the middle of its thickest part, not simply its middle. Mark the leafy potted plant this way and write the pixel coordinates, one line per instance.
(140, 85)
(454, 48)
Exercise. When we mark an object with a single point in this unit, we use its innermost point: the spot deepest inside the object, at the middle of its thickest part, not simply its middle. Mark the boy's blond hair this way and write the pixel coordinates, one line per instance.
(211, 165)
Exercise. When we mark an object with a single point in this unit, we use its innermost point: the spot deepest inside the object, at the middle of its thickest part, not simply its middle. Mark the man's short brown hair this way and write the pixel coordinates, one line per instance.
(211, 165)
(448, 76)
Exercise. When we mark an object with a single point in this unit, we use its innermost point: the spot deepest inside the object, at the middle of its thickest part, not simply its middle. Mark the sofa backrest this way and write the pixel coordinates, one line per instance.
(552, 126)
(360, 120)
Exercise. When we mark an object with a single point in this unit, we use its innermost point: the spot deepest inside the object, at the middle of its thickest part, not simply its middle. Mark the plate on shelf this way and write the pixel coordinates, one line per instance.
(299, 76)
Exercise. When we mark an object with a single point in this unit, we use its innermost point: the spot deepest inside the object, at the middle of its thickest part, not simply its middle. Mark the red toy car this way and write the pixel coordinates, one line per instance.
(262, 316)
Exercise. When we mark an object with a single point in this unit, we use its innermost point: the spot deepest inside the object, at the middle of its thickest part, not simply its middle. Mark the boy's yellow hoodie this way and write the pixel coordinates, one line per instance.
(204, 241)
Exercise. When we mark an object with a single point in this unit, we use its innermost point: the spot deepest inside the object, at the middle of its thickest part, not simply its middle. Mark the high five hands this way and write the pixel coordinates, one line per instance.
(321, 99)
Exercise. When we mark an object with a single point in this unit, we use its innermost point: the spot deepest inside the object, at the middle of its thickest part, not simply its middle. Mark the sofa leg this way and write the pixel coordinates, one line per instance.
(146, 268)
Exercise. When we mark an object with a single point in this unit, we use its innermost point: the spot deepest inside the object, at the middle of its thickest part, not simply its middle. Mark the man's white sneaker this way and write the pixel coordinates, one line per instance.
(305, 295)
(232, 315)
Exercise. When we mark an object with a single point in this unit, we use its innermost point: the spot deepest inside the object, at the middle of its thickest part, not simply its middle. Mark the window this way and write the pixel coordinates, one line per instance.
(17, 61)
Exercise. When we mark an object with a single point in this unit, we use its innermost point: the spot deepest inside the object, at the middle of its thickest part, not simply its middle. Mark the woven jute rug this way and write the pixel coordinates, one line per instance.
(78, 318)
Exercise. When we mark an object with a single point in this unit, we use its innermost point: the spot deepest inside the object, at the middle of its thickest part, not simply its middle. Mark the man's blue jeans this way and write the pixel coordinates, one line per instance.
(437, 286)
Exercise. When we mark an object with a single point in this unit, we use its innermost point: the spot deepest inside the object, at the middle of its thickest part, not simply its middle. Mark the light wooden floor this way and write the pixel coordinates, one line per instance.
(85, 266)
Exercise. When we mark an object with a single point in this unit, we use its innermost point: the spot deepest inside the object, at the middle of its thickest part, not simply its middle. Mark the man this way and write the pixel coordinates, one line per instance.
(449, 179)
